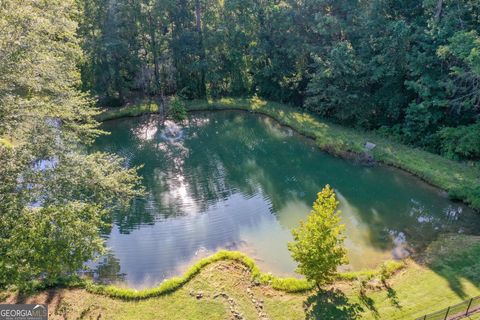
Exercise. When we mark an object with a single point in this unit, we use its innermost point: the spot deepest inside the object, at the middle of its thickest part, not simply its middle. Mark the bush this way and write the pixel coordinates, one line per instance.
(177, 110)
(462, 142)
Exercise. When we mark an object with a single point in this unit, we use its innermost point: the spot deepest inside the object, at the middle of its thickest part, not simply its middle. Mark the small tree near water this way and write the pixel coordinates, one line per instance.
(177, 110)
(318, 241)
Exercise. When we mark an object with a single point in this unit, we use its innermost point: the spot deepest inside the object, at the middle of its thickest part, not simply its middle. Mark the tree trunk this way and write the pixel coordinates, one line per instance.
(154, 49)
(438, 13)
(198, 15)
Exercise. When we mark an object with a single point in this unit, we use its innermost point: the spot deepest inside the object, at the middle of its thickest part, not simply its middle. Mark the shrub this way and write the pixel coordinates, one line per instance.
(177, 110)
(462, 142)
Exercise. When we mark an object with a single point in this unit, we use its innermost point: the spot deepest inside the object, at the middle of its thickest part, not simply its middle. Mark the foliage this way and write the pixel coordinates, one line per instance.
(318, 241)
(461, 142)
(404, 298)
(53, 196)
(133, 110)
(50, 242)
(175, 283)
(384, 271)
(410, 66)
(177, 110)
(407, 65)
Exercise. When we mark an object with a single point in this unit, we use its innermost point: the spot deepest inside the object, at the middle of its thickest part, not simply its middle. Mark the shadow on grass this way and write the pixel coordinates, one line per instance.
(49, 296)
(54, 298)
(369, 303)
(332, 304)
(455, 258)
(392, 295)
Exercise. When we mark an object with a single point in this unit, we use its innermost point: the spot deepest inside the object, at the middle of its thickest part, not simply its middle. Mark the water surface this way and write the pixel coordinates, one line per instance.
(239, 181)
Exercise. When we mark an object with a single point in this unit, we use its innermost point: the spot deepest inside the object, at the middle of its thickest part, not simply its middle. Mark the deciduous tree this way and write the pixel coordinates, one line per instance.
(318, 241)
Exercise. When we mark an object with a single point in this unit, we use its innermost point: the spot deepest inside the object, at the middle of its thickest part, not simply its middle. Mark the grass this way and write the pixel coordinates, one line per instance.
(228, 284)
(170, 285)
(289, 284)
(4, 142)
(462, 181)
(223, 288)
(133, 110)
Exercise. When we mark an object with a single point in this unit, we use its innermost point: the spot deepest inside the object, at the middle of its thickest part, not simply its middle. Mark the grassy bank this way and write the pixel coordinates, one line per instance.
(133, 110)
(462, 181)
(225, 288)
(289, 284)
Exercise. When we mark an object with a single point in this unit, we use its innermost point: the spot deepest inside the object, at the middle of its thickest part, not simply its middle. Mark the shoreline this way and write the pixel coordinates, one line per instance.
(459, 180)
(224, 284)
(286, 284)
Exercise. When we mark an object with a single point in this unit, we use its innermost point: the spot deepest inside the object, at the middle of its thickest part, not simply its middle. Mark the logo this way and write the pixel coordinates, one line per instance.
(23, 312)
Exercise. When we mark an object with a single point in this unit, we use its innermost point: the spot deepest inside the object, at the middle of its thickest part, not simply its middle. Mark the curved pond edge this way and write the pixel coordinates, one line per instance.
(289, 284)
(460, 180)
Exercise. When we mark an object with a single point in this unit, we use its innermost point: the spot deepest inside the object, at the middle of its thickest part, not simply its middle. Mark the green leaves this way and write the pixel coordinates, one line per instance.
(462, 56)
(177, 110)
(54, 197)
(318, 241)
(461, 142)
(394, 64)
(50, 242)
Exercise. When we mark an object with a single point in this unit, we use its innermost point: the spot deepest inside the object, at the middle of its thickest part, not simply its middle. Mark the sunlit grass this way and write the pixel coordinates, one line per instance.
(461, 180)
(6, 143)
(129, 111)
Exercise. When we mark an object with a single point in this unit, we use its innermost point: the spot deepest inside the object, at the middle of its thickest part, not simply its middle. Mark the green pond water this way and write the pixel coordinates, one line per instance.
(238, 181)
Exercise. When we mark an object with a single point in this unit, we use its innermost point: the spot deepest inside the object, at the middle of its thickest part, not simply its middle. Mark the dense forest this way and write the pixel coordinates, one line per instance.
(409, 68)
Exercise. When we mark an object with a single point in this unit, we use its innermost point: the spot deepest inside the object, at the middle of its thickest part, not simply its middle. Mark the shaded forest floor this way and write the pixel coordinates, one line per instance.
(461, 180)
(445, 274)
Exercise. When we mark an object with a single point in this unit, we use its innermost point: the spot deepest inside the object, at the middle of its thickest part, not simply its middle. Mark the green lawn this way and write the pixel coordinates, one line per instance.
(446, 274)
(461, 180)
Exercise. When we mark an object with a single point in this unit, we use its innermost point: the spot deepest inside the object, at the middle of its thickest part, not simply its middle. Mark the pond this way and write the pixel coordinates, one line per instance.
(238, 181)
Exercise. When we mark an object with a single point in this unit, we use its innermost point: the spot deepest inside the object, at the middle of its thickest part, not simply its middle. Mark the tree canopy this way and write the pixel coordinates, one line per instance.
(54, 196)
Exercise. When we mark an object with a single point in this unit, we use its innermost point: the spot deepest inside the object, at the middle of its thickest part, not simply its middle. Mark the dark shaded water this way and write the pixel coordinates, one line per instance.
(240, 181)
